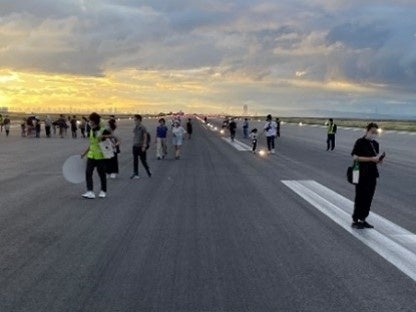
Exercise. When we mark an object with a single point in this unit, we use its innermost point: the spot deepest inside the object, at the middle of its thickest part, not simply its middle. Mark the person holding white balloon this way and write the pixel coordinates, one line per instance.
(95, 157)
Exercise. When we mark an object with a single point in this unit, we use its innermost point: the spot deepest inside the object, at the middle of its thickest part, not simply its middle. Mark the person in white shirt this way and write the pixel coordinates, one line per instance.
(270, 129)
(177, 138)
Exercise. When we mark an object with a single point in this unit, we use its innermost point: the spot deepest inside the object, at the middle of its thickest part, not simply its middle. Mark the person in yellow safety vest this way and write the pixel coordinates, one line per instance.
(332, 130)
(95, 157)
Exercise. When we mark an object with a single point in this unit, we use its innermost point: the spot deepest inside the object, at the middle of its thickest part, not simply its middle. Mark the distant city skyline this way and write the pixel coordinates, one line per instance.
(341, 57)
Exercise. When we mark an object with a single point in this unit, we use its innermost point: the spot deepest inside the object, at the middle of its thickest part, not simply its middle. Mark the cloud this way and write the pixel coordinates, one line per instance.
(318, 41)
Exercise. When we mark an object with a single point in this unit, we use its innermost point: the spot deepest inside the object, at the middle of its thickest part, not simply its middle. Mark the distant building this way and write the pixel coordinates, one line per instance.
(4, 109)
(245, 110)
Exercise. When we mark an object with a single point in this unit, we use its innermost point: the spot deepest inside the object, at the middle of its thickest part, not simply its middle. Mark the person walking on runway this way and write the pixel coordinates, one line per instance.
(161, 134)
(245, 128)
(177, 138)
(189, 128)
(111, 167)
(6, 123)
(95, 158)
(140, 145)
(48, 126)
(278, 127)
(253, 137)
(232, 126)
(270, 130)
(366, 152)
(74, 126)
(332, 130)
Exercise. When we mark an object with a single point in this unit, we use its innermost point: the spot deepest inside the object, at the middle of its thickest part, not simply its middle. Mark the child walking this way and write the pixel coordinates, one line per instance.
(253, 137)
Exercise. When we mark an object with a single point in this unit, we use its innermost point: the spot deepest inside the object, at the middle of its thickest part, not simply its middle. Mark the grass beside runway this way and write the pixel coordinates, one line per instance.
(398, 125)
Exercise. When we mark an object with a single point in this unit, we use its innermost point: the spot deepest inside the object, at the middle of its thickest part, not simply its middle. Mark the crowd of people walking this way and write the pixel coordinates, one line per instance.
(271, 130)
(35, 126)
(104, 147)
(366, 151)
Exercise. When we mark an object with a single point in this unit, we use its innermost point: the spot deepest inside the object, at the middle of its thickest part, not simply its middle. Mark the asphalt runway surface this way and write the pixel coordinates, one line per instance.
(218, 230)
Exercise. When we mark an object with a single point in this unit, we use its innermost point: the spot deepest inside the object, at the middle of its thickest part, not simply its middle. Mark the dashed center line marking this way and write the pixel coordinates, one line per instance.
(240, 146)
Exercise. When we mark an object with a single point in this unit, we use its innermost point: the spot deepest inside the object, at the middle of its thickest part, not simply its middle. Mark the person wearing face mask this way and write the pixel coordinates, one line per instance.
(95, 158)
(140, 145)
(366, 152)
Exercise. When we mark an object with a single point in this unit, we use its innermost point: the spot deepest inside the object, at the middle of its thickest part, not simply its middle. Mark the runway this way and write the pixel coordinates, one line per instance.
(220, 229)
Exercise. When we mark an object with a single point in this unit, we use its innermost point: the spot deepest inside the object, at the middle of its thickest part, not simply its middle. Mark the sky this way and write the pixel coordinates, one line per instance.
(286, 57)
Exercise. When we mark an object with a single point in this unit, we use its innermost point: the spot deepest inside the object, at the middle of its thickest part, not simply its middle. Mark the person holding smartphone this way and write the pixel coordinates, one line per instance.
(366, 151)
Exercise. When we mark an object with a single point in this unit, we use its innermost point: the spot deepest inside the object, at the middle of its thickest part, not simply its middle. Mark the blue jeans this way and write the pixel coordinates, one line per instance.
(245, 133)
(270, 142)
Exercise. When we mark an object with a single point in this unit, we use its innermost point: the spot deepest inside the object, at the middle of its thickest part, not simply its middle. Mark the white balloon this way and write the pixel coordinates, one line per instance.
(74, 169)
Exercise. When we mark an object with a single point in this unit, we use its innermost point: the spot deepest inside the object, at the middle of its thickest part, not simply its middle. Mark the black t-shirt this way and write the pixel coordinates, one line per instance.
(232, 126)
(366, 148)
(189, 127)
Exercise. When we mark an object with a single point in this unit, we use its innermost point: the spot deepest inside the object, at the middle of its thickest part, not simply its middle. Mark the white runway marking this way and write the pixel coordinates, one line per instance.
(240, 146)
(394, 243)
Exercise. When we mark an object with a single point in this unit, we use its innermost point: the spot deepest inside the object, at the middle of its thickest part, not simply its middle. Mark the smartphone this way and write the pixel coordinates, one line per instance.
(382, 156)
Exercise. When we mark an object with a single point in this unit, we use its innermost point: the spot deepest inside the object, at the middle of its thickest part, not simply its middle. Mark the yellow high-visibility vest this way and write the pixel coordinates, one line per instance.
(95, 149)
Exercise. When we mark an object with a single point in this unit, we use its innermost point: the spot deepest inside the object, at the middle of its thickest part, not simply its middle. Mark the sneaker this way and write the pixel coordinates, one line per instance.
(89, 195)
(367, 225)
(102, 194)
(149, 173)
(358, 225)
(158, 158)
(113, 176)
(134, 176)
(273, 151)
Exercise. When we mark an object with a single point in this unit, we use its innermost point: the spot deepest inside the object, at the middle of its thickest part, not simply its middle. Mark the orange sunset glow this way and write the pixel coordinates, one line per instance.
(80, 56)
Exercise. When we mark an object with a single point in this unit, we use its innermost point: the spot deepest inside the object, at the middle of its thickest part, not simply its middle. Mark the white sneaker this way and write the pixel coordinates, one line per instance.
(102, 194)
(273, 151)
(89, 195)
(113, 176)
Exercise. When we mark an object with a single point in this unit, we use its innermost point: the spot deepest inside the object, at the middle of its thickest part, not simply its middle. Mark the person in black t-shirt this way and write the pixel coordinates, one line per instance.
(189, 128)
(232, 126)
(366, 151)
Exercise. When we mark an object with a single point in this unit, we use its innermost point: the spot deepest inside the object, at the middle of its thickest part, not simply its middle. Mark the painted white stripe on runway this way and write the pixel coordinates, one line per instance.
(393, 243)
(383, 225)
(240, 146)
